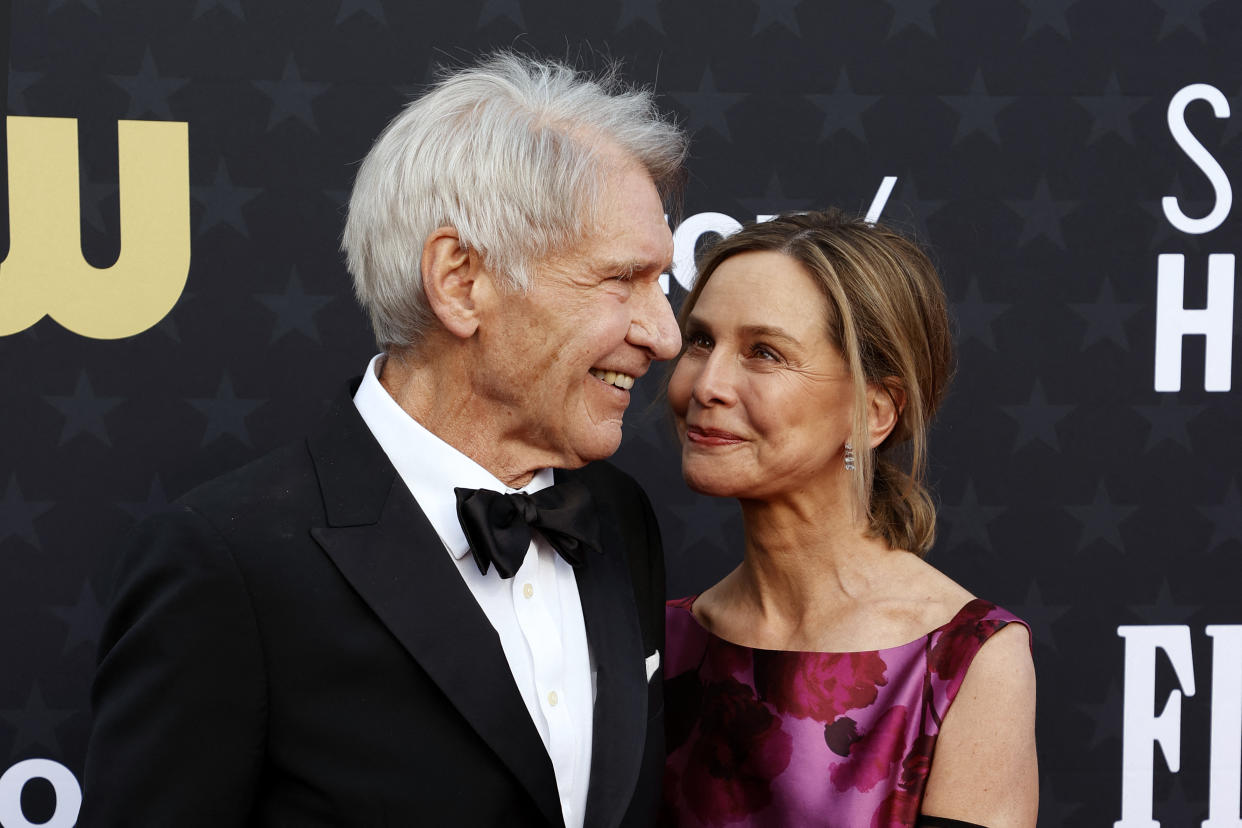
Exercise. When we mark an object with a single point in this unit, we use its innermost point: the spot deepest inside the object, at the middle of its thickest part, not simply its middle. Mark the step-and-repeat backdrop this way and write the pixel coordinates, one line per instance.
(173, 304)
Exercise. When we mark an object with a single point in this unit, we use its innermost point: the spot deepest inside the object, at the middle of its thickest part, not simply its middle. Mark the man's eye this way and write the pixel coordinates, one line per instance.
(764, 352)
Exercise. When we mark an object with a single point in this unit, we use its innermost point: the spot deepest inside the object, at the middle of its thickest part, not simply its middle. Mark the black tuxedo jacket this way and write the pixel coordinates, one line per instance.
(293, 646)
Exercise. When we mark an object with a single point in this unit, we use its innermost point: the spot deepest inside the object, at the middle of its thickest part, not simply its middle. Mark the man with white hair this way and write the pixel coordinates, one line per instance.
(432, 611)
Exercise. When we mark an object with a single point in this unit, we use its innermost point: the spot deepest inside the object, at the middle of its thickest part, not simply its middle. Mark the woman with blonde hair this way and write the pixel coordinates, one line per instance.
(833, 678)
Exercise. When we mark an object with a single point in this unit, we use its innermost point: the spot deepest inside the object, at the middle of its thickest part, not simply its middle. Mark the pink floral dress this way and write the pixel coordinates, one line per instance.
(774, 738)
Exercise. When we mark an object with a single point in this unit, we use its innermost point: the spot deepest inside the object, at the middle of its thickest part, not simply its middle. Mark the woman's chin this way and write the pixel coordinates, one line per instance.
(712, 485)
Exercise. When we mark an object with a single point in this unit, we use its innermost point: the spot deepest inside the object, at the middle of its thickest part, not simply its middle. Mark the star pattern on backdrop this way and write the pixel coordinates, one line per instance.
(843, 109)
(1105, 318)
(1101, 520)
(1226, 518)
(511, 10)
(1178, 808)
(1105, 716)
(1040, 616)
(1055, 808)
(1047, 13)
(223, 201)
(96, 193)
(168, 325)
(148, 90)
(707, 105)
(295, 309)
(773, 201)
(226, 413)
(977, 110)
(974, 317)
(1162, 230)
(1169, 421)
(19, 82)
(84, 411)
(646, 430)
(1041, 215)
(647, 11)
(156, 502)
(35, 724)
(339, 199)
(703, 520)
(1037, 419)
(291, 96)
(776, 13)
(233, 7)
(83, 620)
(1182, 14)
(910, 209)
(968, 520)
(17, 514)
(371, 8)
(1111, 112)
(1165, 610)
(912, 13)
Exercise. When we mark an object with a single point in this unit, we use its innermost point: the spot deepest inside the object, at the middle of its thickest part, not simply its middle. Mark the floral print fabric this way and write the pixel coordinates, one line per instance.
(773, 738)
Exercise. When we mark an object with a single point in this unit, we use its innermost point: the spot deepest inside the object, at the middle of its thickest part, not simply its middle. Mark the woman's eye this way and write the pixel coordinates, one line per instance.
(764, 352)
(697, 340)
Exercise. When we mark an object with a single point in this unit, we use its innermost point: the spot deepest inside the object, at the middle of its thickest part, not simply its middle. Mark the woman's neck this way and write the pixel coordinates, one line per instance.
(807, 565)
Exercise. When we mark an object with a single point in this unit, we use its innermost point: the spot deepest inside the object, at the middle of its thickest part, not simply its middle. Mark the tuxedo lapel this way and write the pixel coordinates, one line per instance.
(615, 640)
(382, 543)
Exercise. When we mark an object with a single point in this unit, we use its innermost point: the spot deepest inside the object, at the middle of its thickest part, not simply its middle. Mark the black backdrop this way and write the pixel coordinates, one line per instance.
(1031, 145)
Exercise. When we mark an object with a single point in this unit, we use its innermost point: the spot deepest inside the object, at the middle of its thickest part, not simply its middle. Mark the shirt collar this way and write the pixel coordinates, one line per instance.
(428, 466)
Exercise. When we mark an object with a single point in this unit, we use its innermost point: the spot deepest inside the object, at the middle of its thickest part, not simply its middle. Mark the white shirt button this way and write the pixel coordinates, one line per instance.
(553, 698)
(528, 590)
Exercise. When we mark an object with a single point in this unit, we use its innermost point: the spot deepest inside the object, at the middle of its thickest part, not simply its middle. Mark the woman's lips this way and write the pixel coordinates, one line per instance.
(711, 436)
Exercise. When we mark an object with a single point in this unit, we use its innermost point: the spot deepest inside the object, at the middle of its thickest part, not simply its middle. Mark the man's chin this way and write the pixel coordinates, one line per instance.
(600, 444)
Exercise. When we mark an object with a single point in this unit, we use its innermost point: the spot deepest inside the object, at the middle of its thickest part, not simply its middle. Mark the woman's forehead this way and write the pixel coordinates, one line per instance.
(759, 289)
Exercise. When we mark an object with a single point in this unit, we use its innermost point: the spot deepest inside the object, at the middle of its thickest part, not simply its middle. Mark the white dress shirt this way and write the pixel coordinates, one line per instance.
(537, 613)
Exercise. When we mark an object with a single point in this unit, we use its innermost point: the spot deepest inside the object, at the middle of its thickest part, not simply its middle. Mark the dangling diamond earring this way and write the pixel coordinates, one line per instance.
(849, 456)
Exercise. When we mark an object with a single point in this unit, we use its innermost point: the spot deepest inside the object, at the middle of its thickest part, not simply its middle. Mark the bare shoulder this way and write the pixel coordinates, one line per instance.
(985, 767)
(938, 584)
(1006, 658)
(1000, 680)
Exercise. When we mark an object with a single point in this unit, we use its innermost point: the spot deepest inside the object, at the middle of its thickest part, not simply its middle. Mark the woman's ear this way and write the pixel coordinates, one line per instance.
(885, 401)
(451, 274)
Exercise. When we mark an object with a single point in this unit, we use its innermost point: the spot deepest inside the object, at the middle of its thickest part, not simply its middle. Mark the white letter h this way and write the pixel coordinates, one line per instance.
(1173, 321)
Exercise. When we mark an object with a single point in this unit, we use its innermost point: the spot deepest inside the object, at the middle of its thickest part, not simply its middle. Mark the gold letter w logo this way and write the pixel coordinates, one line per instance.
(45, 274)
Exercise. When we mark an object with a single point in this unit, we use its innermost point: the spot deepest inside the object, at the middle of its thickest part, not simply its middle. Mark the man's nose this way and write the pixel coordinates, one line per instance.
(653, 326)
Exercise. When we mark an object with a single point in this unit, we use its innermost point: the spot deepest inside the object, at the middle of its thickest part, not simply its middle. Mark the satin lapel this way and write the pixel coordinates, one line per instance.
(384, 546)
(615, 640)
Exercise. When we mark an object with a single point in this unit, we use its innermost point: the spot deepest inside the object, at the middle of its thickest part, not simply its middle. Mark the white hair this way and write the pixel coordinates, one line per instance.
(510, 153)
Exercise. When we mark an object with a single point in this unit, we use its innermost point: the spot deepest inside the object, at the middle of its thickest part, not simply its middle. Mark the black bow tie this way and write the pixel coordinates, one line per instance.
(498, 526)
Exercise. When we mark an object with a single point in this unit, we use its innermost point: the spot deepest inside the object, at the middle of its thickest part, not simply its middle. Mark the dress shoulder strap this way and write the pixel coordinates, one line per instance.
(952, 648)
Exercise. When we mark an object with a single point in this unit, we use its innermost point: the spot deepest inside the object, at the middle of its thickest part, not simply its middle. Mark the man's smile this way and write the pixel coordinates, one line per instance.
(623, 381)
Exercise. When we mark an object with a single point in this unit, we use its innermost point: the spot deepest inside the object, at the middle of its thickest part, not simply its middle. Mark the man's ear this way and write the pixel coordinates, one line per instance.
(451, 274)
(885, 401)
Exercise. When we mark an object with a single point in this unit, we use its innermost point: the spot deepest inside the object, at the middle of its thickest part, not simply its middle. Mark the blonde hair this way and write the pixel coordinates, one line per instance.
(888, 317)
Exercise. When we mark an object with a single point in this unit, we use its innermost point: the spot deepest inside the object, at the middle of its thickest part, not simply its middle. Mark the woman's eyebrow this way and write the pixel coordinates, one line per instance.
(767, 332)
(749, 331)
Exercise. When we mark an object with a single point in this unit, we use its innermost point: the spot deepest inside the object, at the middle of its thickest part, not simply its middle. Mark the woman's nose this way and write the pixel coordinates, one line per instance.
(716, 381)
